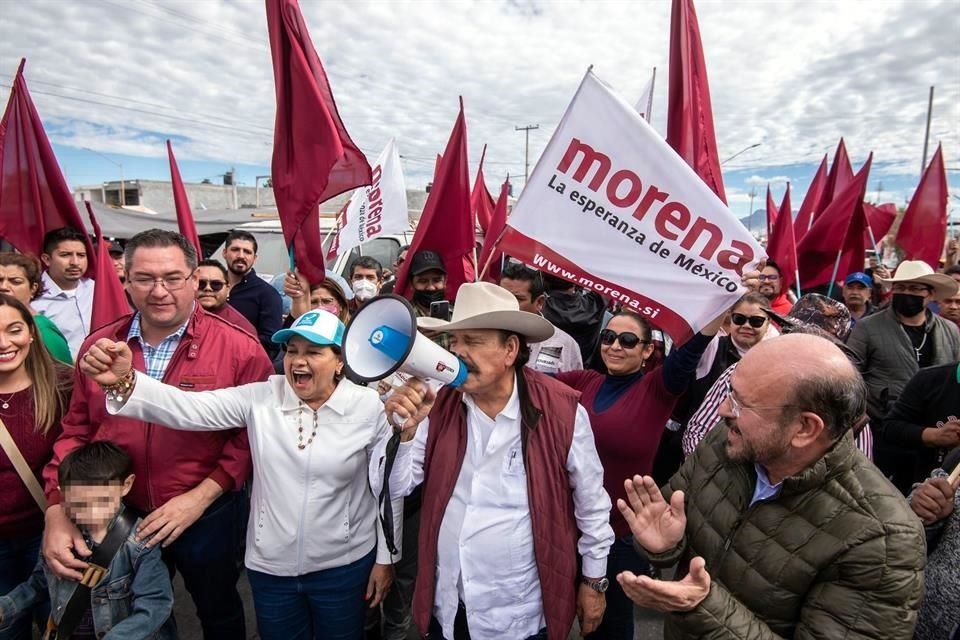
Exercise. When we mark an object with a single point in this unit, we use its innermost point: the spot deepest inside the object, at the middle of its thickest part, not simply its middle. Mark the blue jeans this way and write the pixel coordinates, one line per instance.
(209, 555)
(617, 621)
(323, 605)
(18, 557)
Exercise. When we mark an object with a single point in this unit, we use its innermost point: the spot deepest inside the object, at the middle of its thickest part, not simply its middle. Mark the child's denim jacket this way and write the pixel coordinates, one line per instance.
(133, 600)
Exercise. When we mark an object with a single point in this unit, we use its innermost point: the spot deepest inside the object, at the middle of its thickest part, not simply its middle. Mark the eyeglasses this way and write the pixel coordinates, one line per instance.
(768, 278)
(170, 283)
(213, 285)
(736, 408)
(627, 339)
(915, 289)
(740, 319)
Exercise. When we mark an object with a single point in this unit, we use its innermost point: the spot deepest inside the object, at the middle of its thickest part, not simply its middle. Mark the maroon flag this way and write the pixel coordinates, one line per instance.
(184, 216)
(879, 220)
(844, 221)
(314, 158)
(923, 229)
(446, 225)
(810, 200)
(841, 174)
(481, 202)
(490, 258)
(689, 115)
(109, 298)
(34, 197)
(781, 245)
(771, 213)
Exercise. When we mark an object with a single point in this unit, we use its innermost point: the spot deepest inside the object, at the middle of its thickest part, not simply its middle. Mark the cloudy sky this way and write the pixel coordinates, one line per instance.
(121, 76)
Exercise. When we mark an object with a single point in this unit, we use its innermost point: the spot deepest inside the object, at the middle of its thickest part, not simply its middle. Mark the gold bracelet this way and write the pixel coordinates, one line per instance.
(119, 390)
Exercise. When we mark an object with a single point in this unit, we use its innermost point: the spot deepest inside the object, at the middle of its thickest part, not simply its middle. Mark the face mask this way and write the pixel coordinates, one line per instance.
(906, 304)
(364, 289)
(425, 298)
(332, 308)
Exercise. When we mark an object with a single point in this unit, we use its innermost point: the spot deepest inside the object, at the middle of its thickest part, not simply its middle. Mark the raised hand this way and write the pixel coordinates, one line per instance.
(657, 526)
(107, 362)
(666, 596)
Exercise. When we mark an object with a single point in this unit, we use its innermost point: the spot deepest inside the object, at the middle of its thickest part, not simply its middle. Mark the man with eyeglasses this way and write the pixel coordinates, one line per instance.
(188, 482)
(787, 529)
(892, 345)
(213, 294)
(771, 286)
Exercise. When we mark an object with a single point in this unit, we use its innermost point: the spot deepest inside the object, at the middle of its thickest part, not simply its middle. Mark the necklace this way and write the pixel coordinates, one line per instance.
(917, 350)
(5, 403)
(300, 443)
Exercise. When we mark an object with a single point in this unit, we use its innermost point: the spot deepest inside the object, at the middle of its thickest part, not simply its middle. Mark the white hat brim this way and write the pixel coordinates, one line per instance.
(943, 286)
(531, 326)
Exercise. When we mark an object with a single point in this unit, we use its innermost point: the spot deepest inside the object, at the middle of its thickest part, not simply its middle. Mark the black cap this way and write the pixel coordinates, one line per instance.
(426, 261)
(114, 247)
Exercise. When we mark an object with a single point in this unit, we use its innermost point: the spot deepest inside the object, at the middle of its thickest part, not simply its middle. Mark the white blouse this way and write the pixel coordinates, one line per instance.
(311, 508)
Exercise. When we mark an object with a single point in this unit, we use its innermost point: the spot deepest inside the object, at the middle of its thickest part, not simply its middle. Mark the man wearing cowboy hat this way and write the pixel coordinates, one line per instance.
(514, 531)
(892, 345)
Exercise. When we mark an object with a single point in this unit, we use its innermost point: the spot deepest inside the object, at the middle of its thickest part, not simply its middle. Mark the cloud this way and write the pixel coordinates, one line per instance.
(760, 180)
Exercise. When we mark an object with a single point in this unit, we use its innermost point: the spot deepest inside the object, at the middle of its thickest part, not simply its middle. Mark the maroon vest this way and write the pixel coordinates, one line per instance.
(547, 413)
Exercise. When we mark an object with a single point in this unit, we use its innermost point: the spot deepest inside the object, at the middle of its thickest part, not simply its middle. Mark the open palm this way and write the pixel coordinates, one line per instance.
(657, 525)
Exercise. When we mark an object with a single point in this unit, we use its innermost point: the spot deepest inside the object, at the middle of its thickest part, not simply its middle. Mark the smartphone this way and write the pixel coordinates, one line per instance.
(440, 309)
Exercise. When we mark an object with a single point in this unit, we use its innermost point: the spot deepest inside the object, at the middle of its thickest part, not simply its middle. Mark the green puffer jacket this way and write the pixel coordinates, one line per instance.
(838, 554)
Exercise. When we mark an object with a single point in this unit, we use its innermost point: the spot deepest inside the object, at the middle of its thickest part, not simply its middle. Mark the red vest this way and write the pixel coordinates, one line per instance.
(547, 413)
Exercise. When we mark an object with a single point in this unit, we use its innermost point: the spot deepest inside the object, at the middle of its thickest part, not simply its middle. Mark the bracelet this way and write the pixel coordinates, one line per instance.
(119, 390)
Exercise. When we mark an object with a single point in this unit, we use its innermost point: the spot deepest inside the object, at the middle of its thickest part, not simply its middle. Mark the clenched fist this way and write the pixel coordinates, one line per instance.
(107, 362)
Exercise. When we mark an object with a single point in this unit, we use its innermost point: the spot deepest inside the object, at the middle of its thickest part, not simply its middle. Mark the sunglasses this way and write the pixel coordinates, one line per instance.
(755, 321)
(213, 285)
(627, 339)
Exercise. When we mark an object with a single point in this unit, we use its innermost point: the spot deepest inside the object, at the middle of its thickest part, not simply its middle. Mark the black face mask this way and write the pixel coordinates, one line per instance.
(424, 298)
(907, 305)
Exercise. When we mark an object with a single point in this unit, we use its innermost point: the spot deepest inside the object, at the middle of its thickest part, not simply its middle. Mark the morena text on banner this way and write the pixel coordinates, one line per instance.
(624, 189)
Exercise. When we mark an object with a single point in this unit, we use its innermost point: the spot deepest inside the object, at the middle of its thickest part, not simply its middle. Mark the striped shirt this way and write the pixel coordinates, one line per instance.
(708, 416)
(156, 358)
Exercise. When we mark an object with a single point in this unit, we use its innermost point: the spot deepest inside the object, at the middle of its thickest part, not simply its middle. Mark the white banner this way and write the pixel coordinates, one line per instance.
(376, 209)
(611, 207)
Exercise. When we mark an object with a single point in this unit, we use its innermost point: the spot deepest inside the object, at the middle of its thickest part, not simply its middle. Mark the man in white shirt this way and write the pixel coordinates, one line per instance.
(514, 527)
(560, 352)
(67, 298)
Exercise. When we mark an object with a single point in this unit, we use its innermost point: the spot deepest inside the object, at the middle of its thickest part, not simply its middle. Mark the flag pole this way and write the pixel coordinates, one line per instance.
(833, 278)
(796, 276)
(493, 252)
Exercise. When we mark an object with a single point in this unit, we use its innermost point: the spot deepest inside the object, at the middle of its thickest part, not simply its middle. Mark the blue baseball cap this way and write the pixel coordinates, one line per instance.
(861, 277)
(317, 326)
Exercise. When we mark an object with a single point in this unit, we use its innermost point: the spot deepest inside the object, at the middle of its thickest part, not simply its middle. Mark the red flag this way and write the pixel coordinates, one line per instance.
(497, 224)
(771, 213)
(109, 299)
(841, 174)
(782, 246)
(810, 200)
(481, 202)
(184, 216)
(843, 220)
(689, 115)
(879, 218)
(314, 158)
(923, 229)
(34, 197)
(446, 225)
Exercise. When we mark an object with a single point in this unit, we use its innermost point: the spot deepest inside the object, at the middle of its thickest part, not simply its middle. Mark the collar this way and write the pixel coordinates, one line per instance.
(52, 289)
(835, 461)
(339, 401)
(510, 411)
(135, 330)
(764, 479)
(249, 275)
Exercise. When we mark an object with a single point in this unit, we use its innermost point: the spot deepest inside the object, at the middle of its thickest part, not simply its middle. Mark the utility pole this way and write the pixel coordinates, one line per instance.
(753, 194)
(926, 137)
(526, 151)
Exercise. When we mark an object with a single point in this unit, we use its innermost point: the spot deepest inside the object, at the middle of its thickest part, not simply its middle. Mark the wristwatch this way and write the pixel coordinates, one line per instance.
(600, 586)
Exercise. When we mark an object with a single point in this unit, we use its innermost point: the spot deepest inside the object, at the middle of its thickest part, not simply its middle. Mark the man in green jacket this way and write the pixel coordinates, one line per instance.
(788, 530)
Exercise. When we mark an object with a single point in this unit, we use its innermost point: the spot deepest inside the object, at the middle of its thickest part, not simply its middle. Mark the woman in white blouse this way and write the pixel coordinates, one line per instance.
(315, 551)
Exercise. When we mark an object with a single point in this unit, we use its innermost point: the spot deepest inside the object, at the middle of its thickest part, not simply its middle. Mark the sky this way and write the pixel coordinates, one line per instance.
(113, 79)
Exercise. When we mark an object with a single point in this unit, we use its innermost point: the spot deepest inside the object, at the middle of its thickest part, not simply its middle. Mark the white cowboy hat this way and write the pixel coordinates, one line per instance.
(920, 272)
(482, 305)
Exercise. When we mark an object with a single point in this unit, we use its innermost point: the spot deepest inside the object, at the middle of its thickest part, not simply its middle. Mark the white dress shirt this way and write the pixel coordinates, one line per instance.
(311, 508)
(485, 554)
(71, 311)
(558, 353)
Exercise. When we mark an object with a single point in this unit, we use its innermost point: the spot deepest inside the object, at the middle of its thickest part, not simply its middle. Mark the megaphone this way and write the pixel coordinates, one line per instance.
(382, 339)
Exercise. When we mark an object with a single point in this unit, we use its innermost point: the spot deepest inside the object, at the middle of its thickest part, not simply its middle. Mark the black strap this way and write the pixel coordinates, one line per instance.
(386, 507)
(99, 563)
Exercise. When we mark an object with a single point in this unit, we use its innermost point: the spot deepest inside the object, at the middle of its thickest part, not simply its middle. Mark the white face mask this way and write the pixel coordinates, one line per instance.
(364, 289)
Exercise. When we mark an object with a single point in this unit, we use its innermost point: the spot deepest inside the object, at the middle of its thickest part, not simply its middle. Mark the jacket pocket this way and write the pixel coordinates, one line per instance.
(112, 604)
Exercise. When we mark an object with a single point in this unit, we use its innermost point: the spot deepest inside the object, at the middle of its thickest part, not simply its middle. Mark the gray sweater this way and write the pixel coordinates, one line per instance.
(886, 358)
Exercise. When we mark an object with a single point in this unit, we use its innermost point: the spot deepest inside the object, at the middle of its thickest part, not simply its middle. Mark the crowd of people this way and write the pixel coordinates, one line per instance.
(789, 471)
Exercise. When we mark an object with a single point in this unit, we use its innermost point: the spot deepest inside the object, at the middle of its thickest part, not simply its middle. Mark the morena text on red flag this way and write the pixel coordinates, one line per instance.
(673, 220)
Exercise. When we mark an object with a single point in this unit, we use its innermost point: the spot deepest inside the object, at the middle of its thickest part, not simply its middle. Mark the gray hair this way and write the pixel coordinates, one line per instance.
(840, 401)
